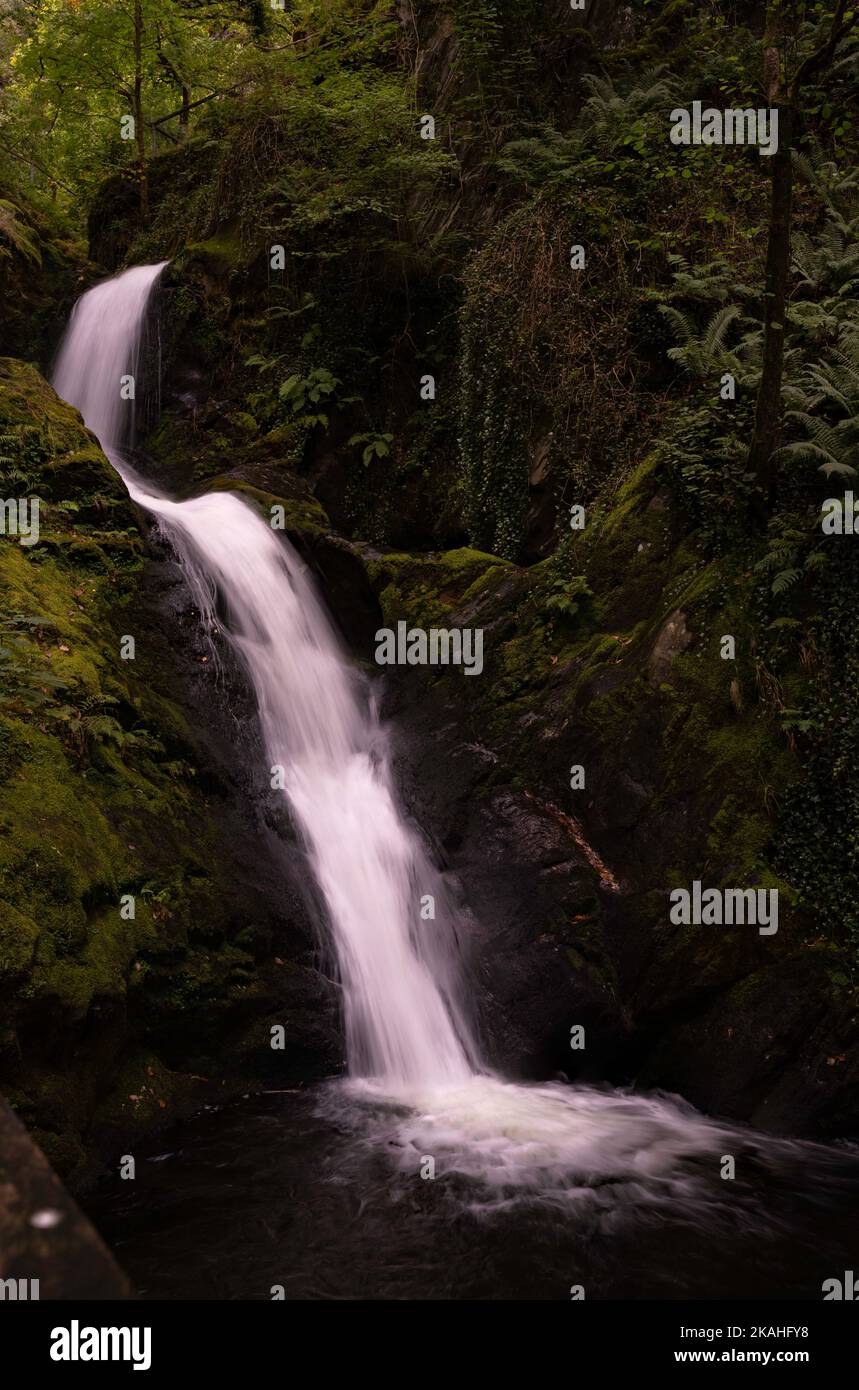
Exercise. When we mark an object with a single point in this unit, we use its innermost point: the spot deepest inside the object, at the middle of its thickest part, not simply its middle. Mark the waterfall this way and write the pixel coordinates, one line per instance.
(104, 344)
(404, 1023)
(407, 1033)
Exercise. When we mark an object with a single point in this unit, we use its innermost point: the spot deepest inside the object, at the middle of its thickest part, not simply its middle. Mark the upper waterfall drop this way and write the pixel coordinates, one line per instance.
(400, 977)
(101, 345)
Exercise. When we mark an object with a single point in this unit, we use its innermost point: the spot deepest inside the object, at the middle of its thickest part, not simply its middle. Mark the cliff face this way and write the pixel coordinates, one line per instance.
(680, 770)
(109, 792)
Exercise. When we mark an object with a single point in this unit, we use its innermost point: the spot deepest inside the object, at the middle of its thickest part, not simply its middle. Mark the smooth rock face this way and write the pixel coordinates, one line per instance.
(43, 1234)
(673, 639)
(534, 949)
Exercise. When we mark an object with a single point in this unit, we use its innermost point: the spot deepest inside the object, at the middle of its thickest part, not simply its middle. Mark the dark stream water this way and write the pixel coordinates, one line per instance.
(282, 1189)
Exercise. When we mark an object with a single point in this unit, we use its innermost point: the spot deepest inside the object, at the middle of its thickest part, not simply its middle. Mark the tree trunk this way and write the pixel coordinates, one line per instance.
(768, 414)
(139, 129)
(784, 95)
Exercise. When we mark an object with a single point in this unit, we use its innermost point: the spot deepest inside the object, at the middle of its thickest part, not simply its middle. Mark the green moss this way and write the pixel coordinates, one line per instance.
(40, 269)
(48, 437)
(64, 1152)
(299, 513)
(18, 233)
(425, 589)
(630, 503)
(664, 32)
(19, 937)
(242, 421)
(219, 256)
(98, 798)
(145, 1094)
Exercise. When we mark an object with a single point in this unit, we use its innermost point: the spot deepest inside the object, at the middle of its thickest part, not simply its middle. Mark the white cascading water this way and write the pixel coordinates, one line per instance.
(408, 1039)
(402, 1019)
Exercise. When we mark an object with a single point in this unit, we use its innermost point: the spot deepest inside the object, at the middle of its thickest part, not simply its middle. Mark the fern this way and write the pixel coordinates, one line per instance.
(830, 438)
(609, 120)
(785, 555)
(704, 353)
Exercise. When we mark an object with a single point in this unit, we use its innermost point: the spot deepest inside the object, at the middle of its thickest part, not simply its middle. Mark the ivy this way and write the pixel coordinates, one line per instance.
(493, 434)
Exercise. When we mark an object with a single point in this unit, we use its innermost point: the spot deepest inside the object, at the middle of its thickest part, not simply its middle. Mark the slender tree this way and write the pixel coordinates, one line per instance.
(139, 128)
(785, 78)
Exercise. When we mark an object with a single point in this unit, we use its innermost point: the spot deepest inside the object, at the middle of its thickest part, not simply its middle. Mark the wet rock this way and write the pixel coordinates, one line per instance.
(534, 948)
(45, 1240)
(767, 1048)
(675, 769)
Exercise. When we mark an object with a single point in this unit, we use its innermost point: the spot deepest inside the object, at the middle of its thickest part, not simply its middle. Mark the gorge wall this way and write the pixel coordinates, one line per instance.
(300, 387)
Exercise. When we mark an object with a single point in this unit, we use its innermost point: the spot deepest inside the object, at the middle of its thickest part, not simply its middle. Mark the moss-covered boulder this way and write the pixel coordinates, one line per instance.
(424, 590)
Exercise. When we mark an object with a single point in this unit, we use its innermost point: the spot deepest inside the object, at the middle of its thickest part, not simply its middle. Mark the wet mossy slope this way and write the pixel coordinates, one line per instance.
(125, 960)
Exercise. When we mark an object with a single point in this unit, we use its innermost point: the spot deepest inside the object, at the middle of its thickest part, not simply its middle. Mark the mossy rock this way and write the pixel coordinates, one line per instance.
(41, 268)
(426, 589)
(19, 936)
(99, 797)
(293, 514)
(219, 257)
(48, 443)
